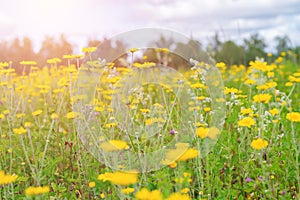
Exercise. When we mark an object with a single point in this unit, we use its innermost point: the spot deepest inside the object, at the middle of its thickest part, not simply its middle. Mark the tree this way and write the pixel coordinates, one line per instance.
(283, 43)
(109, 50)
(215, 44)
(52, 48)
(230, 54)
(48, 49)
(297, 52)
(26, 51)
(64, 46)
(4, 51)
(254, 47)
(164, 42)
(15, 49)
(192, 49)
(93, 43)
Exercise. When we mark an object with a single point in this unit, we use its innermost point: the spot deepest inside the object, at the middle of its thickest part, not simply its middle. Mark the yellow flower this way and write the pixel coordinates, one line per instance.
(249, 82)
(213, 132)
(144, 194)
(173, 165)
(92, 184)
(296, 74)
(262, 98)
(271, 74)
(119, 178)
(200, 98)
(174, 154)
(178, 196)
(72, 56)
(151, 121)
(188, 154)
(2, 116)
(128, 190)
(89, 49)
(247, 121)
(114, 145)
(186, 174)
(164, 50)
(54, 116)
(5, 112)
(293, 116)
(246, 111)
(71, 69)
(272, 176)
(221, 65)
(206, 109)
(181, 180)
(259, 144)
(133, 50)
(28, 62)
(6, 178)
(288, 84)
(32, 191)
(20, 115)
(274, 111)
(193, 108)
(110, 125)
(231, 91)
(99, 108)
(266, 86)
(144, 65)
(19, 131)
(184, 190)
(145, 110)
(63, 82)
(202, 132)
(198, 85)
(72, 115)
(198, 124)
(4, 64)
(294, 79)
(37, 112)
(53, 60)
(102, 195)
(27, 124)
(283, 54)
(262, 66)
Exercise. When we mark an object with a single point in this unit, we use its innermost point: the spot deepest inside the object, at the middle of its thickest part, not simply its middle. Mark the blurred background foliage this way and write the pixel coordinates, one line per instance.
(229, 51)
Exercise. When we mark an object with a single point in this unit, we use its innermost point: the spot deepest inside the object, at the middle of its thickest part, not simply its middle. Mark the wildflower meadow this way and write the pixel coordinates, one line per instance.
(135, 129)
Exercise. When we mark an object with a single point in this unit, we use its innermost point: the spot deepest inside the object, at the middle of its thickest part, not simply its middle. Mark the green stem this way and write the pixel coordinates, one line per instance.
(26, 156)
(45, 149)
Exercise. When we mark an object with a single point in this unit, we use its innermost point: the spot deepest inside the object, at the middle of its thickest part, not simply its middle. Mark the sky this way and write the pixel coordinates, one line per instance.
(81, 20)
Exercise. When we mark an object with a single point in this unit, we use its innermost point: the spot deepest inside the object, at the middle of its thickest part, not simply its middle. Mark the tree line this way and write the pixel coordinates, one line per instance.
(228, 51)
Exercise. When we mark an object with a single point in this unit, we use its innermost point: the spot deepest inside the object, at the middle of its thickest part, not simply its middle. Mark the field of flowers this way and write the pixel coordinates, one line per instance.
(61, 140)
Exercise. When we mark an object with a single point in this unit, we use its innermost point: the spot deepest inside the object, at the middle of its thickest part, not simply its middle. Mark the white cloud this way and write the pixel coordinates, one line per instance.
(200, 18)
(234, 18)
(6, 26)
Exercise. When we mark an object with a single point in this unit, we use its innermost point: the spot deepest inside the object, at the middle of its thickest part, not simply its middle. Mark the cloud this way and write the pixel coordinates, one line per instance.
(6, 26)
(216, 9)
(234, 19)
